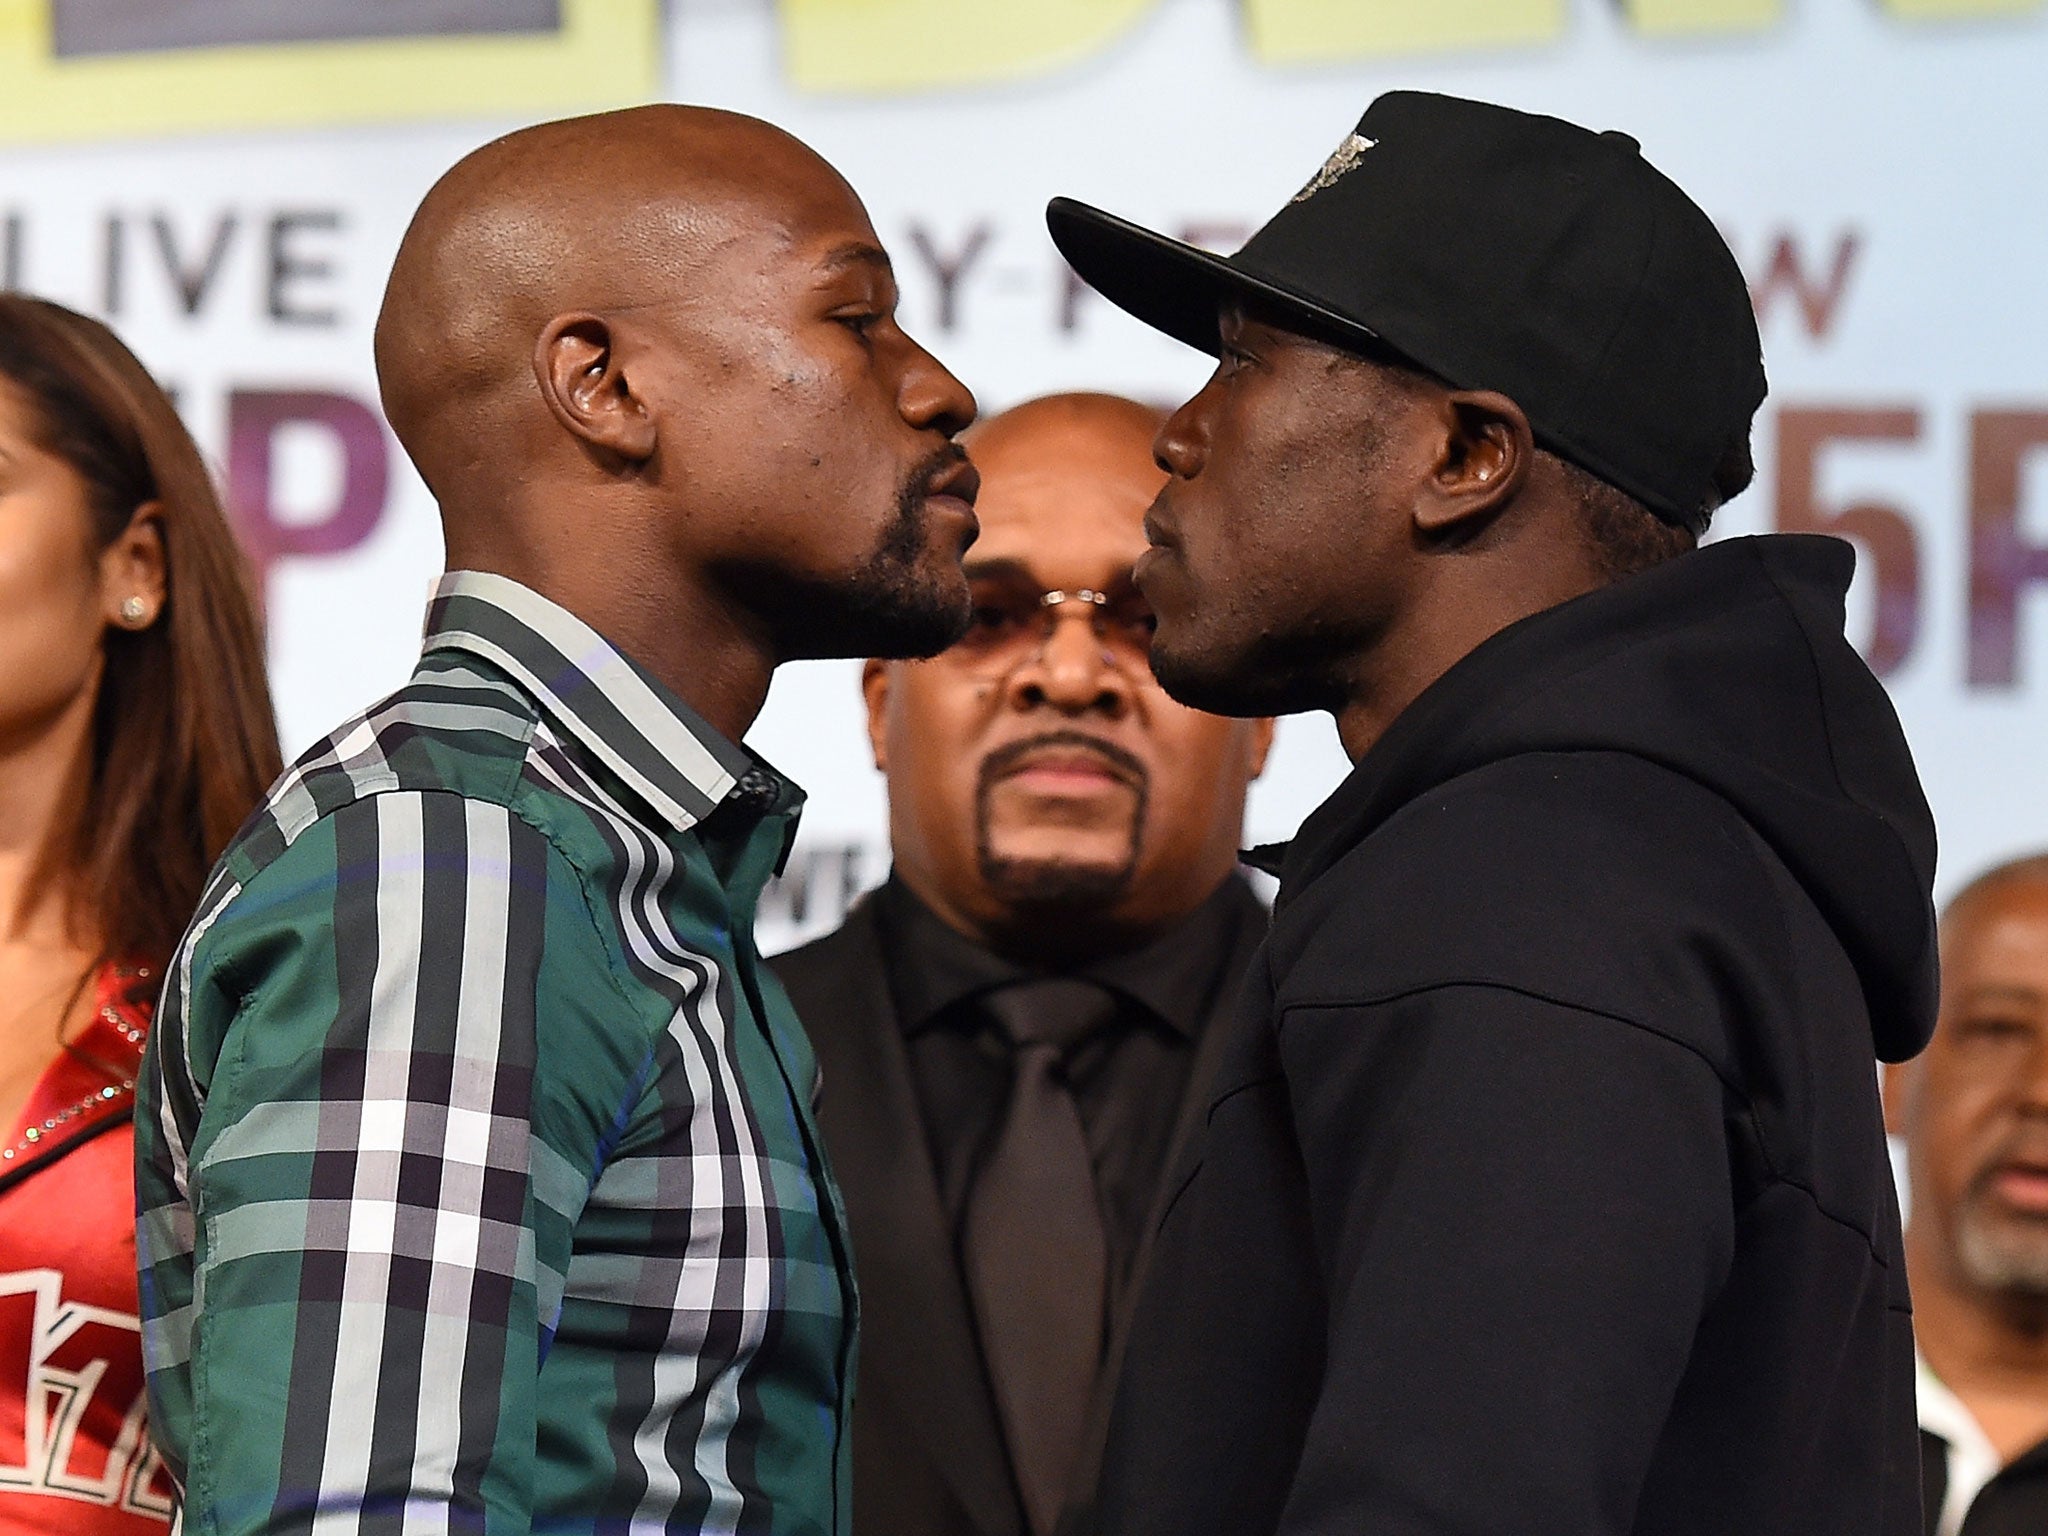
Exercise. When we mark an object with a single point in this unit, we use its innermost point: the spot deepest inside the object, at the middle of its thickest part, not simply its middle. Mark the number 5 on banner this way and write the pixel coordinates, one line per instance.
(72, 69)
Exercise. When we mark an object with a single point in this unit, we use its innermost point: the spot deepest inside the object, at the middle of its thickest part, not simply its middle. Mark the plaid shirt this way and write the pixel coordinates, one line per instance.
(479, 1184)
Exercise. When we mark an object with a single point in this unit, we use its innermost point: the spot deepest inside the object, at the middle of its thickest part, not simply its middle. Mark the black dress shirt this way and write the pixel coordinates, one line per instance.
(1127, 1080)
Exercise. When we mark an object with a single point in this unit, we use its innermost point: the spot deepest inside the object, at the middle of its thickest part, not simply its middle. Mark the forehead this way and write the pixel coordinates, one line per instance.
(1999, 939)
(802, 212)
(1064, 495)
(731, 241)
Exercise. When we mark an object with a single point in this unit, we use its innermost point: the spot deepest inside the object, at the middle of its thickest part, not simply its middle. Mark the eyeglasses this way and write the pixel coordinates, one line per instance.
(1009, 627)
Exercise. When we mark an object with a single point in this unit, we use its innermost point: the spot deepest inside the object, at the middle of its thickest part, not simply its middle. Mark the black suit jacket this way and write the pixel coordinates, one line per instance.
(928, 1453)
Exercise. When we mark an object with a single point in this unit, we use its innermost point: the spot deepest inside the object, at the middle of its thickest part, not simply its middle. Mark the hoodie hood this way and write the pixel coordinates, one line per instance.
(1727, 665)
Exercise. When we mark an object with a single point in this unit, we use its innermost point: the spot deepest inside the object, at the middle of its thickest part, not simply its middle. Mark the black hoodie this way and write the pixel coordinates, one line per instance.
(1545, 1192)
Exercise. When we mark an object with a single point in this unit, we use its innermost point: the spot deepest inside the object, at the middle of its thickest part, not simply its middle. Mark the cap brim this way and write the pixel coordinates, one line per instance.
(1176, 287)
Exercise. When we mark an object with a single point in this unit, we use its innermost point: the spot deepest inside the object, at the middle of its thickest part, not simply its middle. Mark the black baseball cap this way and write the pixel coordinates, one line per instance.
(1497, 250)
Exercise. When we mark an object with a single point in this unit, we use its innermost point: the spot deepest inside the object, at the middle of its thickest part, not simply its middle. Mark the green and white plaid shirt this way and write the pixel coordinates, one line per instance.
(479, 1186)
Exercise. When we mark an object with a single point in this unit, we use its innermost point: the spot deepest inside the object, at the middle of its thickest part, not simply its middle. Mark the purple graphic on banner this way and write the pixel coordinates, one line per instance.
(83, 27)
(254, 419)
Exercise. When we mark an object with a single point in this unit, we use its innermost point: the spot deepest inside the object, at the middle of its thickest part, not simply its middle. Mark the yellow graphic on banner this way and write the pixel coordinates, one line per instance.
(599, 53)
(1701, 18)
(105, 69)
(1335, 31)
(1961, 10)
(898, 45)
(889, 47)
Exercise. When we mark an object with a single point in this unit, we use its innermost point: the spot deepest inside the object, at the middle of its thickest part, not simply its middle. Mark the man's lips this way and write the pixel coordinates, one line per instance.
(1065, 769)
(951, 493)
(1144, 563)
(1163, 539)
(2022, 1185)
(959, 481)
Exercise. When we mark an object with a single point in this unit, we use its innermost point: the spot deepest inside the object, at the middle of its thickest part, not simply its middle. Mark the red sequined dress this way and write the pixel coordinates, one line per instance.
(74, 1453)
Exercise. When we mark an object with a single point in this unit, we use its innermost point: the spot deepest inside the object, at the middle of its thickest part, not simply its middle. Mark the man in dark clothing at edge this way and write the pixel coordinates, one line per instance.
(1544, 1188)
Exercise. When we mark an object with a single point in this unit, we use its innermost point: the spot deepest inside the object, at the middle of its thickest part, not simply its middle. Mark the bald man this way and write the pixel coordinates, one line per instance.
(480, 1187)
(1972, 1111)
(1018, 1027)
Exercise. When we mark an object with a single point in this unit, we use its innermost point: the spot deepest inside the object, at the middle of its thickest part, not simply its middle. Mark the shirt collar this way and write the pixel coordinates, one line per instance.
(665, 751)
(1173, 976)
(1972, 1459)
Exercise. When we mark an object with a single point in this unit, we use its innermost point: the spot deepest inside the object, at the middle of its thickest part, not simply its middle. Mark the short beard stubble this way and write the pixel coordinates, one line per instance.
(892, 607)
(2003, 1254)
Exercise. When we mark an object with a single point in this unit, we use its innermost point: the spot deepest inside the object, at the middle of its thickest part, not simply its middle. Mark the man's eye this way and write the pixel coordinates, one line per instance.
(1990, 1027)
(860, 321)
(1133, 621)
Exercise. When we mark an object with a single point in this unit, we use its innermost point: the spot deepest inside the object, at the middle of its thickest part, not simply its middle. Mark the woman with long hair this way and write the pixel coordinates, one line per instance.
(135, 734)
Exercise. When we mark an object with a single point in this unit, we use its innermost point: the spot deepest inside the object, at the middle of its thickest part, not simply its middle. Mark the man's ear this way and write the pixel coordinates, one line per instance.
(1484, 454)
(576, 363)
(874, 687)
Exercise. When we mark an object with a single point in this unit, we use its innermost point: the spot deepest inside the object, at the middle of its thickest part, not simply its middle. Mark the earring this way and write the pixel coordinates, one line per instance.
(134, 612)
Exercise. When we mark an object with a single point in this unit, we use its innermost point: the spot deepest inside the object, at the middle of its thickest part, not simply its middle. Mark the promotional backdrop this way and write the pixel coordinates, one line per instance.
(225, 182)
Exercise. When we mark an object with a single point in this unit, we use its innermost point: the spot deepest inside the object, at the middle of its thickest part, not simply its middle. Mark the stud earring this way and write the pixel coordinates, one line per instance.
(134, 611)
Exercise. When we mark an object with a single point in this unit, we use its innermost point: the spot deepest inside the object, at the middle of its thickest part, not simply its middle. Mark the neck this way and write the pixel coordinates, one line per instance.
(1054, 935)
(45, 772)
(1990, 1349)
(702, 648)
(1474, 598)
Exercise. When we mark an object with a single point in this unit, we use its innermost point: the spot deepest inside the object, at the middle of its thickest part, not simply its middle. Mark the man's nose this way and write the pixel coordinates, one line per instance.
(1182, 444)
(2033, 1078)
(1072, 670)
(930, 398)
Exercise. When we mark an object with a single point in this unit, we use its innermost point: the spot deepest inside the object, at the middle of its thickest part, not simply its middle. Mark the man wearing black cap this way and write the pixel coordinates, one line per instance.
(1544, 1189)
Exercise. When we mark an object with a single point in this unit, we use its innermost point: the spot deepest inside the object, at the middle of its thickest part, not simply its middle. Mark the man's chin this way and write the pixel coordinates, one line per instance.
(2005, 1251)
(900, 623)
(1222, 680)
(1188, 680)
(1055, 884)
(924, 627)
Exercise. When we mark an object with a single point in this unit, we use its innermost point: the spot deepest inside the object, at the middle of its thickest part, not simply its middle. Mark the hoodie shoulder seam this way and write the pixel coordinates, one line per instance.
(1416, 989)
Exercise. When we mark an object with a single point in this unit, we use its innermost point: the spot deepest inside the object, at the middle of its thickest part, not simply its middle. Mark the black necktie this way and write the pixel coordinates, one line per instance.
(1033, 1243)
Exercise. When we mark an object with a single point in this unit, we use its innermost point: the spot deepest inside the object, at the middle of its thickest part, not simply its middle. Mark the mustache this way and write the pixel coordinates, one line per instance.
(921, 481)
(1010, 754)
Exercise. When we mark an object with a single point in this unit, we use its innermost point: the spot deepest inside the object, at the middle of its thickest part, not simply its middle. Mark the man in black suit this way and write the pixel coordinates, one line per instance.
(1016, 1030)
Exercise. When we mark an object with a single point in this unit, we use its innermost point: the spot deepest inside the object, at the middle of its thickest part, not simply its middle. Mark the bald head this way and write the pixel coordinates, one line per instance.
(606, 213)
(1082, 435)
(2014, 877)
